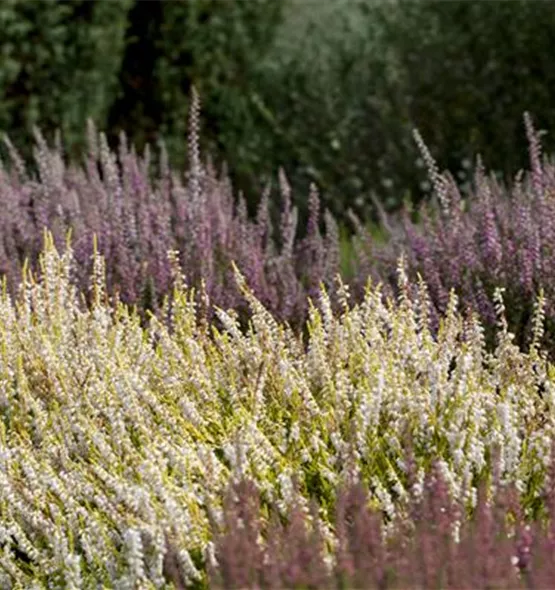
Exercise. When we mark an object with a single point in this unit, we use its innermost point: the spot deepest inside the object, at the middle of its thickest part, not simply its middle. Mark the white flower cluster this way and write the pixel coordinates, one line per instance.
(115, 437)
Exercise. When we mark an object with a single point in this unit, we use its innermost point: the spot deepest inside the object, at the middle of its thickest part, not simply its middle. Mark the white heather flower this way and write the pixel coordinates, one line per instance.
(418, 485)
(210, 554)
(158, 545)
(229, 454)
(330, 475)
(384, 499)
(336, 441)
(398, 489)
(315, 442)
(473, 495)
(72, 571)
(135, 558)
(287, 491)
(282, 444)
(190, 572)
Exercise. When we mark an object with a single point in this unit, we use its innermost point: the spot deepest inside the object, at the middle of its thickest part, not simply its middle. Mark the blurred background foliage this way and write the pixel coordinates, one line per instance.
(60, 63)
(328, 90)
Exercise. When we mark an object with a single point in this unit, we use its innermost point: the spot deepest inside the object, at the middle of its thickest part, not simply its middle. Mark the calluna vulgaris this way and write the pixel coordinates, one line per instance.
(137, 217)
(496, 236)
(120, 442)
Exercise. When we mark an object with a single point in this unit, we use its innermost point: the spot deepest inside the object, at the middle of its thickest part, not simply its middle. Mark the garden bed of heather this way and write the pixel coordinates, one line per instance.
(489, 236)
(136, 208)
(367, 450)
(192, 396)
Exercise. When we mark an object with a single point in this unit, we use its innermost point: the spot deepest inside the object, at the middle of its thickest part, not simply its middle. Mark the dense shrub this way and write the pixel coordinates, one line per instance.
(329, 95)
(435, 545)
(345, 85)
(220, 48)
(472, 240)
(118, 441)
(138, 215)
(129, 66)
(492, 236)
(470, 70)
(60, 62)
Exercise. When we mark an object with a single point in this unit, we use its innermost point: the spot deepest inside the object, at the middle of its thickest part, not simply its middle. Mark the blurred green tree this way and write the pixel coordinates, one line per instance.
(60, 65)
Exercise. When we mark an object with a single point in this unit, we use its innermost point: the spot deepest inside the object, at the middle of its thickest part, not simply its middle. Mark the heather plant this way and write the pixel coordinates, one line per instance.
(137, 215)
(119, 440)
(475, 241)
(437, 546)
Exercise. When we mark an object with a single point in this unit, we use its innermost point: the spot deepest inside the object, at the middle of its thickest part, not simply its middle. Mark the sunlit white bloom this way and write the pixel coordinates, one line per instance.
(135, 557)
(72, 571)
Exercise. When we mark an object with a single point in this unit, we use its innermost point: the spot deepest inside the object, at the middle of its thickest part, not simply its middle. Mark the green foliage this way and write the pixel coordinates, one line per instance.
(345, 86)
(220, 47)
(330, 91)
(470, 69)
(60, 62)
